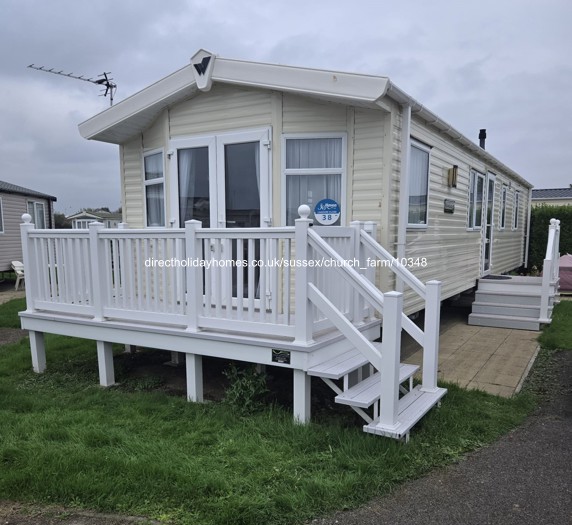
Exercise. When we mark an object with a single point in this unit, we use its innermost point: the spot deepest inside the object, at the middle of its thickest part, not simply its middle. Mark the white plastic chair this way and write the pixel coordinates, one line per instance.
(18, 268)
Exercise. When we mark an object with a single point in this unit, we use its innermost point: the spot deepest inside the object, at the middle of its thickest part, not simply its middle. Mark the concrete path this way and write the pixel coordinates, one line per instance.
(496, 360)
(523, 479)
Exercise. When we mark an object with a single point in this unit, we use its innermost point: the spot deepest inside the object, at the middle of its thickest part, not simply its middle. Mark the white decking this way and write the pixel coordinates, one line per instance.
(100, 285)
(520, 302)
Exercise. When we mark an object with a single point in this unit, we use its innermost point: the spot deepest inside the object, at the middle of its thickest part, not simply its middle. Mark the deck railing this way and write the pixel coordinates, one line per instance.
(291, 282)
(550, 269)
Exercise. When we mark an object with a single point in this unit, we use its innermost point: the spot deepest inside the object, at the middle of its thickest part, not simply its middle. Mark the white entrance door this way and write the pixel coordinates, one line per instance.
(224, 182)
(488, 223)
(221, 180)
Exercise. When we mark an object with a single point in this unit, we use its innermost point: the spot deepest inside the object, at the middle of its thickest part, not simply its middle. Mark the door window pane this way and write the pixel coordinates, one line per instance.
(194, 199)
(242, 184)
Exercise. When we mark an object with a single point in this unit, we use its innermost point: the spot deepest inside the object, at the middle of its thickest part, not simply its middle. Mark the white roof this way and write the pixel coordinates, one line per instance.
(134, 114)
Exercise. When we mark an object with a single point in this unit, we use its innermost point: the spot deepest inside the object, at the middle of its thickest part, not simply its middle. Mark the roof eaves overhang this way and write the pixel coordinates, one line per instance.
(444, 127)
(132, 115)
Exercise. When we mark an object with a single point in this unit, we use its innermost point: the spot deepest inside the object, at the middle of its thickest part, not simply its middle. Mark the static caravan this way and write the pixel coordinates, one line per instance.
(82, 219)
(242, 144)
(14, 201)
(369, 207)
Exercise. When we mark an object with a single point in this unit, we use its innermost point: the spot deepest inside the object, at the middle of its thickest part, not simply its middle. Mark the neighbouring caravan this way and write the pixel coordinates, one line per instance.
(14, 201)
(239, 143)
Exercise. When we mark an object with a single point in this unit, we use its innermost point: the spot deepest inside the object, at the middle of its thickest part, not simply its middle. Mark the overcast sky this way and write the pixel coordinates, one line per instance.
(504, 65)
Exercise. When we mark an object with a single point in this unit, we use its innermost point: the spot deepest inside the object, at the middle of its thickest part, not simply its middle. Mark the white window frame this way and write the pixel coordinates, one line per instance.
(502, 208)
(151, 182)
(315, 171)
(474, 175)
(35, 205)
(424, 147)
(1, 217)
(515, 209)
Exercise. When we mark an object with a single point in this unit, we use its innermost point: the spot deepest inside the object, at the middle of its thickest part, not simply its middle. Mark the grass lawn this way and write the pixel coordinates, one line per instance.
(558, 334)
(64, 440)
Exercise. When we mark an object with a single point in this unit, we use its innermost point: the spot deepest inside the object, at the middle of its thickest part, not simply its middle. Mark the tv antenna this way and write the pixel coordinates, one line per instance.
(105, 81)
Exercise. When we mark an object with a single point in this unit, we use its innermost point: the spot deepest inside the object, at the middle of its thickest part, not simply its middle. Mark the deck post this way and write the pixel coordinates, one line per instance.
(371, 228)
(390, 359)
(547, 270)
(358, 302)
(194, 274)
(303, 314)
(302, 396)
(194, 364)
(38, 350)
(98, 263)
(431, 338)
(29, 283)
(105, 363)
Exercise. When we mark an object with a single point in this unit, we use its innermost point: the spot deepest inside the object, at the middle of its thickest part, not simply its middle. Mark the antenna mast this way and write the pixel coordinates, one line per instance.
(105, 81)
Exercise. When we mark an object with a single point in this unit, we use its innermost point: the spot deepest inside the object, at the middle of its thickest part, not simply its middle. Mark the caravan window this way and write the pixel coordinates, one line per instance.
(418, 184)
(314, 169)
(154, 189)
(476, 190)
(515, 210)
(1, 218)
(38, 214)
(502, 221)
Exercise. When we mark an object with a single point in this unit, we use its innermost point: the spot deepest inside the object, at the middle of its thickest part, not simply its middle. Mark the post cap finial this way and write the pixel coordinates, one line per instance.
(553, 222)
(304, 211)
(27, 218)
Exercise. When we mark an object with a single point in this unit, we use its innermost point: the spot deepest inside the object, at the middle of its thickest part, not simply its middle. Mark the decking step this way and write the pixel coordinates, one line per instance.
(412, 407)
(339, 366)
(515, 310)
(505, 321)
(502, 297)
(367, 392)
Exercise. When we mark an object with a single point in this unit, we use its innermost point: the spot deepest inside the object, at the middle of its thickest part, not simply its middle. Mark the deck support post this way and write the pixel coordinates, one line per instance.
(30, 284)
(302, 396)
(38, 349)
(304, 312)
(390, 359)
(194, 364)
(105, 363)
(176, 359)
(431, 339)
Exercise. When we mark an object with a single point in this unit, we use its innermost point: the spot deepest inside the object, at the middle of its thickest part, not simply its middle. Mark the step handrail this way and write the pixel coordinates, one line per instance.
(395, 266)
(367, 290)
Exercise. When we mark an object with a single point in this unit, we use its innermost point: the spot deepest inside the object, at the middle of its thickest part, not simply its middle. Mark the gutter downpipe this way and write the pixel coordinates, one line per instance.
(403, 188)
(526, 246)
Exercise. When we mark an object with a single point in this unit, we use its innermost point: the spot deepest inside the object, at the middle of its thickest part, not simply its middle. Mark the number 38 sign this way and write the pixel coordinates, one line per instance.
(327, 212)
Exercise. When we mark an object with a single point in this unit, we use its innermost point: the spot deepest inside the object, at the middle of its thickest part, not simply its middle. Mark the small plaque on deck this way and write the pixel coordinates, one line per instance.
(281, 356)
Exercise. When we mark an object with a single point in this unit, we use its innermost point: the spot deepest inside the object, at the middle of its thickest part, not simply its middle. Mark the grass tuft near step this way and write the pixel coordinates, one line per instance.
(558, 334)
(64, 440)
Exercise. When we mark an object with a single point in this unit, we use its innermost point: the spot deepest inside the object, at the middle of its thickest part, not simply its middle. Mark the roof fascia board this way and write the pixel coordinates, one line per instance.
(306, 81)
(428, 116)
(155, 95)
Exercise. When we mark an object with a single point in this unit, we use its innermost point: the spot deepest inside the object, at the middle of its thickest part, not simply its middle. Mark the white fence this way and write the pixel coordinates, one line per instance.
(550, 269)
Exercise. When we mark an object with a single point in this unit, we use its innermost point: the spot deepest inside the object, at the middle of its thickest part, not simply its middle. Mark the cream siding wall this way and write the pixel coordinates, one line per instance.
(13, 207)
(132, 176)
(224, 108)
(453, 253)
